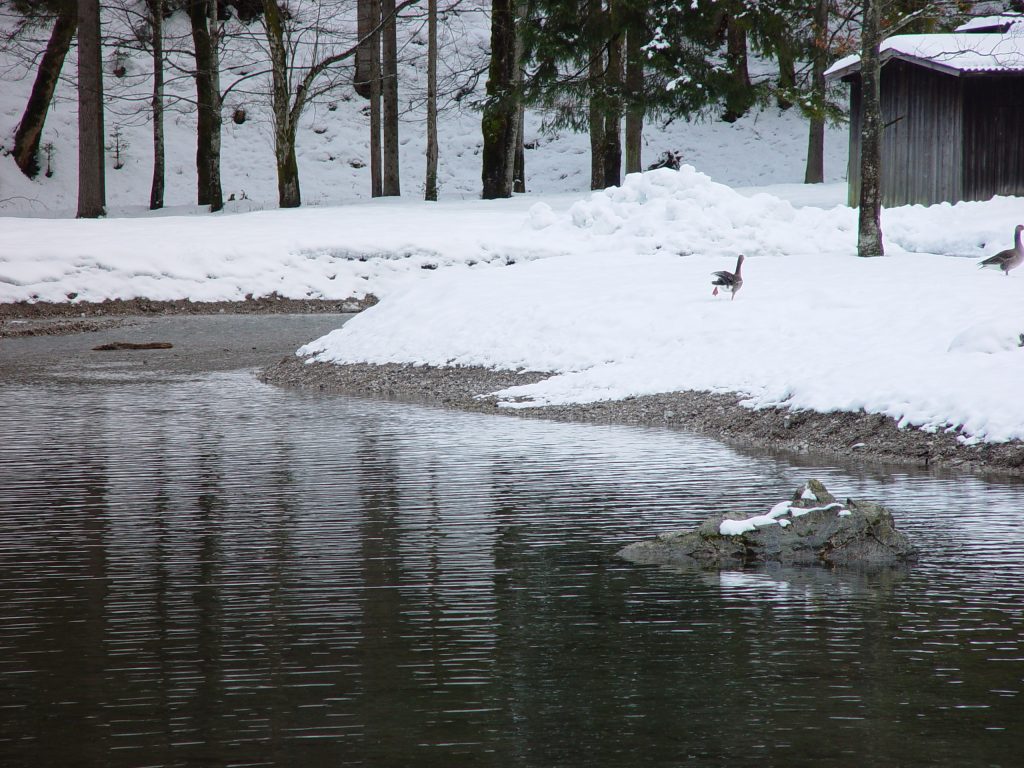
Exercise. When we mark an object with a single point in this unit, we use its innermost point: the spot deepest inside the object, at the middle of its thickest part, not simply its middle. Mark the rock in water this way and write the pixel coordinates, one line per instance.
(812, 528)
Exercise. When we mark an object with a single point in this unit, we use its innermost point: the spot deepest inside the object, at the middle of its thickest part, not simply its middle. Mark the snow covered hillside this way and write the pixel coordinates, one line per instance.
(763, 148)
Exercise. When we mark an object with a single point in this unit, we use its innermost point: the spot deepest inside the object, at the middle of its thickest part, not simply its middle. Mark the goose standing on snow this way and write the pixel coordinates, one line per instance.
(733, 281)
(1009, 259)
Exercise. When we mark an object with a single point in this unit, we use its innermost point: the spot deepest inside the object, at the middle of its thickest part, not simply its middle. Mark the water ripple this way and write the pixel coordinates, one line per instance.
(207, 570)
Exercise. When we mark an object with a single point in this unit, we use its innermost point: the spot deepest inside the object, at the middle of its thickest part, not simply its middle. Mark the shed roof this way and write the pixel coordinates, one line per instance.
(998, 23)
(953, 53)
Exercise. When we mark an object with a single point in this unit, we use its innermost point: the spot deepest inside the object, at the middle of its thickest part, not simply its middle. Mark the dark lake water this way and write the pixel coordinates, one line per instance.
(203, 570)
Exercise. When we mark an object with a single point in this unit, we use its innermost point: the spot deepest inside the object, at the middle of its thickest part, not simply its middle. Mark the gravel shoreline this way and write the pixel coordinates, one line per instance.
(858, 437)
(47, 318)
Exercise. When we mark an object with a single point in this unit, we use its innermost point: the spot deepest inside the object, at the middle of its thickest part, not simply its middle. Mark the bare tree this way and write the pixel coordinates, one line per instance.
(91, 177)
(869, 225)
(391, 186)
(206, 39)
(430, 192)
(365, 22)
(376, 168)
(285, 118)
(30, 129)
(517, 160)
(156, 23)
(304, 52)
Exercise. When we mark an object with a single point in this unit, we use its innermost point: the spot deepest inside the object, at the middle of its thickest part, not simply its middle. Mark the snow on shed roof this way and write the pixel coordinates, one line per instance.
(1000, 22)
(953, 53)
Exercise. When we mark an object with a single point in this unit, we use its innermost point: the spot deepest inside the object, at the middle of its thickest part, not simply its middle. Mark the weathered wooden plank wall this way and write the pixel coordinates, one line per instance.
(946, 138)
(922, 140)
(993, 136)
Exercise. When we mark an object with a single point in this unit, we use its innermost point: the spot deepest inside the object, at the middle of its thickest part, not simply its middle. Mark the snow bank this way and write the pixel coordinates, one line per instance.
(926, 339)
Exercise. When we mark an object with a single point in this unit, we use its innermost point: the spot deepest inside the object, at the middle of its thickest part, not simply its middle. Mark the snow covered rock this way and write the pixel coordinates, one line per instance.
(811, 528)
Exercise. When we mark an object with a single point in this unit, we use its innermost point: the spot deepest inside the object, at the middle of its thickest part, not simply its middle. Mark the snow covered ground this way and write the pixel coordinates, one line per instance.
(922, 335)
(610, 291)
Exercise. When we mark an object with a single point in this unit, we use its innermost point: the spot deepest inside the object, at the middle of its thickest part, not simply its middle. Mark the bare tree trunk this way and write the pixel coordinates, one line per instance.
(596, 75)
(430, 192)
(634, 95)
(216, 193)
(516, 162)
(869, 225)
(499, 116)
(91, 177)
(389, 90)
(30, 129)
(815, 170)
(288, 194)
(201, 45)
(205, 39)
(376, 178)
(519, 163)
(364, 23)
(613, 107)
(156, 21)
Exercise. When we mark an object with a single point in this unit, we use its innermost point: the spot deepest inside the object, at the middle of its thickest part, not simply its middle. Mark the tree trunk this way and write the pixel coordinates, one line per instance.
(430, 192)
(515, 161)
(216, 193)
(91, 179)
(201, 46)
(364, 23)
(869, 225)
(613, 106)
(519, 162)
(787, 76)
(288, 194)
(499, 115)
(202, 15)
(376, 180)
(738, 99)
(634, 93)
(815, 170)
(156, 21)
(389, 91)
(30, 129)
(596, 72)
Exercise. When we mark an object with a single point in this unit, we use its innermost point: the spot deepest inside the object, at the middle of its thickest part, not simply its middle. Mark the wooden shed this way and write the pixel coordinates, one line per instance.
(953, 111)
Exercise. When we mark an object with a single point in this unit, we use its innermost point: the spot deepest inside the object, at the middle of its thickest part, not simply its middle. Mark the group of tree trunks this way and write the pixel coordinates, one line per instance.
(610, 87)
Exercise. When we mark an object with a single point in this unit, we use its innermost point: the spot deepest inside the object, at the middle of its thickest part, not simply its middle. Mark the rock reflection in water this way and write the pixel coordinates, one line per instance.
(207, 570)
